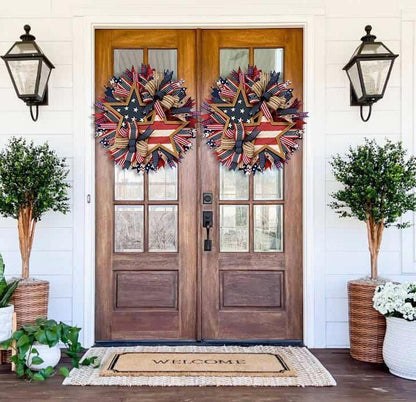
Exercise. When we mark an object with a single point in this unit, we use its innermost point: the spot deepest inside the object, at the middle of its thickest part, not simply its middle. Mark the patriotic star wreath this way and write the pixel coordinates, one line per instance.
(252, 121)
(145, 120)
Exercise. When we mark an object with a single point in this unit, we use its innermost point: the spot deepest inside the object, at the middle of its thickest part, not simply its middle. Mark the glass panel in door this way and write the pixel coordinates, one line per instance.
(154, 227)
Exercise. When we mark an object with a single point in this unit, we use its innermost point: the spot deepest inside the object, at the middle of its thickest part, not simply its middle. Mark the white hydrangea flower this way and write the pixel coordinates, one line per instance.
(396, 300)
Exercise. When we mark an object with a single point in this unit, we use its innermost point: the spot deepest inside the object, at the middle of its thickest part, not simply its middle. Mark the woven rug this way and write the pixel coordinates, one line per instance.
(303, 369)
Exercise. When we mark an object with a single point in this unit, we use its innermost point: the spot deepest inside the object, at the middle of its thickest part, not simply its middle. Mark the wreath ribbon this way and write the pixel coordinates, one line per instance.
(238, 148)
(133, 147)
(265, 93)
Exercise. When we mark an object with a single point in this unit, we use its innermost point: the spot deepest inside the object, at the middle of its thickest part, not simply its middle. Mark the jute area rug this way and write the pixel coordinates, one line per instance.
(271, 366)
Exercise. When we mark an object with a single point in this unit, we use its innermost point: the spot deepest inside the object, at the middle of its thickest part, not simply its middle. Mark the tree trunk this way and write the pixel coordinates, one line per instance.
(375, 235)
(26, 227)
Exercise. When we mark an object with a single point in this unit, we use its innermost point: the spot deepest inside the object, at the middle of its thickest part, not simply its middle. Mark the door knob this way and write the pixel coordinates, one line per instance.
(207, 222)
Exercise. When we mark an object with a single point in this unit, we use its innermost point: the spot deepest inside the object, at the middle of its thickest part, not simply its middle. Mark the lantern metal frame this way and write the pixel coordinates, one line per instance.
(31, 100)
(357, 58)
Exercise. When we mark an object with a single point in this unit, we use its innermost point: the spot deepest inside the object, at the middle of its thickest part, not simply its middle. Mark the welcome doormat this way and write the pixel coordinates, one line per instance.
(196, 364)
(203, 366)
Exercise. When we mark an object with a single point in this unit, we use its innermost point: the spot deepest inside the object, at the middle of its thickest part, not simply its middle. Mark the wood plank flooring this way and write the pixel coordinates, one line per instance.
(356, 382)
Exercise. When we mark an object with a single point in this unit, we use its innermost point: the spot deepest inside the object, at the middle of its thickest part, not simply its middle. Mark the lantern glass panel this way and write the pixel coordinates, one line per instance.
(355, 80)
(44, 75)
(374, 48)
(24, 74)
(23, 48)
(375, 74)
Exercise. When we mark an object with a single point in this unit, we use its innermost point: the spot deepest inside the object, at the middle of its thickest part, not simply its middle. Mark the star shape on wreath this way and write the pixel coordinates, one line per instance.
(237, 112)
(132, 109)
(163, 135)
(269, 136)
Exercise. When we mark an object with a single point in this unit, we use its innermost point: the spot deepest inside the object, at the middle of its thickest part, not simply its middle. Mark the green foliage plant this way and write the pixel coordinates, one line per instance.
(32, 182)
(378, 183)
(6, 289)
(45, 332)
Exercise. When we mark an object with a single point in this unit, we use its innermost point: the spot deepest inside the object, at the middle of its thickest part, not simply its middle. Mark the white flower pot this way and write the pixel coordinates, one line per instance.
(399, 348)
(6, 319)
(50, 356)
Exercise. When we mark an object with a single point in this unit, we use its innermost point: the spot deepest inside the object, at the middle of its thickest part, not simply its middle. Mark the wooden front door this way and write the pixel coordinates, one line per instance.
(146, 226)
(252, 279)
(153, 279)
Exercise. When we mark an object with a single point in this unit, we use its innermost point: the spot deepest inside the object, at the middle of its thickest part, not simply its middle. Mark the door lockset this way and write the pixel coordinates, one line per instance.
(207, 223)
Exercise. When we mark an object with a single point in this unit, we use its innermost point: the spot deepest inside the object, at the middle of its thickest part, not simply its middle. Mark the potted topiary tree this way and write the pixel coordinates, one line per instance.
(32, 182)
(377, 183)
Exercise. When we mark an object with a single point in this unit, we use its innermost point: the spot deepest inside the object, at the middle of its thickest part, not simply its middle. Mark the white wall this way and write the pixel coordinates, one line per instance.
(341, 250)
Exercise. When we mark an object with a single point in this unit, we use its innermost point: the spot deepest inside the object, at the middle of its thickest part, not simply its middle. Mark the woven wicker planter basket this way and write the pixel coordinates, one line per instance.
(31, 301)
(367, 325)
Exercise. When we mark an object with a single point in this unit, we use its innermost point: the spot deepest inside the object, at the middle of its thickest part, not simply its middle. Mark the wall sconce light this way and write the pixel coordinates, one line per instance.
(369, 71)
(29, 70)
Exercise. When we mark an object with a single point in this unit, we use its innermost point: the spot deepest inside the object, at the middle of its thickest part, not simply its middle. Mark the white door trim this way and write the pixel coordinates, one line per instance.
(313, 24)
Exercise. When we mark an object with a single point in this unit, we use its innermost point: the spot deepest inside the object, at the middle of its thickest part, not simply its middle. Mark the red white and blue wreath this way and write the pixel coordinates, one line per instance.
(145, 120)
(253, 121)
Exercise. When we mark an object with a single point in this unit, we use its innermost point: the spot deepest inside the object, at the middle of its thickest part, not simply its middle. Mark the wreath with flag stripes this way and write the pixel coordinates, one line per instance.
(252, 121)
(145, 119)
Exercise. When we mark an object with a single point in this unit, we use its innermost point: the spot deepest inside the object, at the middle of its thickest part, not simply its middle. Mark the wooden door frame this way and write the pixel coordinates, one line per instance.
(312, 23)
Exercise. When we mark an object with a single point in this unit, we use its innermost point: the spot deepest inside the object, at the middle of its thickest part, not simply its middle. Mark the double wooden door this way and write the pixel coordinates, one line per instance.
(154, 281)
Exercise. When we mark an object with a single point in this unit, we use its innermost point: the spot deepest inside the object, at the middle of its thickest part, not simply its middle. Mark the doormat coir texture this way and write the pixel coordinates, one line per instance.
(196, 364)
(203, 366)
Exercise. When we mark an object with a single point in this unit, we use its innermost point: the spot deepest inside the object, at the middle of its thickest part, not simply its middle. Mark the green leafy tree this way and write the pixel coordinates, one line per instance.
(32, 182)
(378, 183)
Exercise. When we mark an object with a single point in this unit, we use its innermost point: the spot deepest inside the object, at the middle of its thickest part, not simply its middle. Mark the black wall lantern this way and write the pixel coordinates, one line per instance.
(29, 70)
(369, 71)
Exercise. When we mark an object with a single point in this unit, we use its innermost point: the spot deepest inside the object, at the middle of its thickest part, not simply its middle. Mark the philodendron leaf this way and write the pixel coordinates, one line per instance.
(23, 340)
(64, 371)
(88, 361)
(46, 372)
(40, 336)
(6, 344)
(52, 337)
(20, 370)
(17, 334)
(49, 370)
(37, 360)
(38, 377)
(30, 328)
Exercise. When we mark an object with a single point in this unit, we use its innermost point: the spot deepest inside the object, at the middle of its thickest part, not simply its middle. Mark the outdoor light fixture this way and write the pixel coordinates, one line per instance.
(29, 70)
(369, 71)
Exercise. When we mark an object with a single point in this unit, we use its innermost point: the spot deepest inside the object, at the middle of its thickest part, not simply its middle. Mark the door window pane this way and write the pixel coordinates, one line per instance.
(163, 228)
(234, 228)
(231, 59)
(128, 184)
(128, 228)
(268, 185)
(163, 184)
(126, 58)
(233, 185)
(269, 60)
(268, 228)
(164, 59)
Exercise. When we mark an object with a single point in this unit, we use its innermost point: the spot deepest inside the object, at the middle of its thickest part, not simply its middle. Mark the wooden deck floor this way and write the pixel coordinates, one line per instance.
(356, 382)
